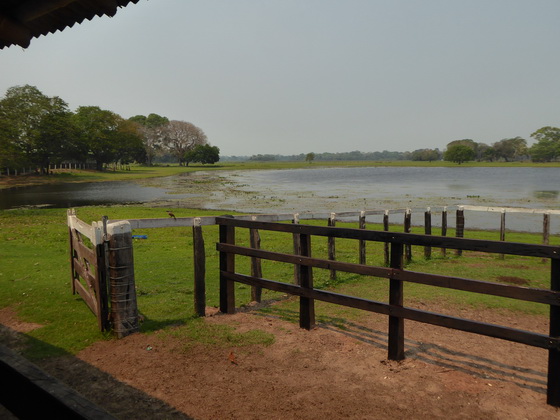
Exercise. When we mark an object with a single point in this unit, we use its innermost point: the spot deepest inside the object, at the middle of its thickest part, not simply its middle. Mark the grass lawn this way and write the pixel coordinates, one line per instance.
(35, 274)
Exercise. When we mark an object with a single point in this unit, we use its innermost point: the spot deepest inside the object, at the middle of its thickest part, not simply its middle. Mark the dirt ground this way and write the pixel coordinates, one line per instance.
(328, 372)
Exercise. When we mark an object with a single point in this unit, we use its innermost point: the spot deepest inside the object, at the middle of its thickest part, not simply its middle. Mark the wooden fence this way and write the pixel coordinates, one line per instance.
(396, 276)
(102, 272)
(197, 224)
(89, 271)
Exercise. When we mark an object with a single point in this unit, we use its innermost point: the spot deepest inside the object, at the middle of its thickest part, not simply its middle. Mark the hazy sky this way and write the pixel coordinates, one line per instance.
(289, 77)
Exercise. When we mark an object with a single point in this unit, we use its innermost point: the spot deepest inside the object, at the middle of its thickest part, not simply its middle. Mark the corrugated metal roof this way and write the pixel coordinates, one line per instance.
(23, 20)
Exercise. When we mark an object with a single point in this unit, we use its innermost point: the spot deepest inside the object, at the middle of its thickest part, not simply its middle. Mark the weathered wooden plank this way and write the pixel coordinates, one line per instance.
(84, 252)
(396, 323)
(72, 255)
(528, 294)
(124, 307)
(386, 244)
(407, 226)
(82, 227)
(444, 228)
(84, 273)
(332, 246)
(546, 228)
(152, 223)
(256, 266)
(491, 330)
(101, 286)
(509, 210)
(497, 247)
(362, 243)
(227, 264)
(199, 256)
(297, 248)
(553, 390)
(306, 305)
(308, 261)
(428, 231)
(460, 228)
(86, 296)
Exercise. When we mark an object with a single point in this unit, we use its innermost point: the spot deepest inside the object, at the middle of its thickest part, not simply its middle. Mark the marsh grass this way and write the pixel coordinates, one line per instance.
(35, 276)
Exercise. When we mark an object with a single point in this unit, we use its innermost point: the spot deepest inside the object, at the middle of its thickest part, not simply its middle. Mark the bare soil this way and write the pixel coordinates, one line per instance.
(329, 372)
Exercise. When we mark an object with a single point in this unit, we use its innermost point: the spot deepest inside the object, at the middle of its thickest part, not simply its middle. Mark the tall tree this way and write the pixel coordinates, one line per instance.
(98, 129)
(547, 147)
(459, 153)
(181, 137)
(55, 139)
(152, 130)
(129, 144)
(33, 131)
(203, 153)
(427, 155)
(510, 149)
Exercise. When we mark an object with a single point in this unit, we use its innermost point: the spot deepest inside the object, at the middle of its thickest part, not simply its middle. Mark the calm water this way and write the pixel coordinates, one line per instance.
(79, 194)
(352, 189)
(329, 189)
(497, 186)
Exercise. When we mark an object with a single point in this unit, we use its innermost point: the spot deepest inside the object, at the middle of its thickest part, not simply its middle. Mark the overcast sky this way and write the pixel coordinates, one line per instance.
(299, 76)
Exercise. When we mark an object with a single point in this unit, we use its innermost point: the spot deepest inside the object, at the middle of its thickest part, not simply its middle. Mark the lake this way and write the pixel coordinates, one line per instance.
(322, 190)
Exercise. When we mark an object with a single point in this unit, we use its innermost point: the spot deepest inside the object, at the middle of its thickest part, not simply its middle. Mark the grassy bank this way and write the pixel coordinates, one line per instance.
(143, 172)
(35, 275)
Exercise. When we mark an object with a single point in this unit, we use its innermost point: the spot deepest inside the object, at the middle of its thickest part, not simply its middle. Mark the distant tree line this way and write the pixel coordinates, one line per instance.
(546, 149)
(37, 131)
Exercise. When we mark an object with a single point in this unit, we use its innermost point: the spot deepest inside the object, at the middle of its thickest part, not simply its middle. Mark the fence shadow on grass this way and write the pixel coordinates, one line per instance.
(431, 353)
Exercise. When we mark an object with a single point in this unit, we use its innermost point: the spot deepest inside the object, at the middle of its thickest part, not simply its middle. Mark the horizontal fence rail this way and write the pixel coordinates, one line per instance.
(396, 276)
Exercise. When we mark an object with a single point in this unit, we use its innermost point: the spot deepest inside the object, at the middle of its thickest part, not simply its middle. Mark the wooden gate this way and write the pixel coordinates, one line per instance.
(89, 267)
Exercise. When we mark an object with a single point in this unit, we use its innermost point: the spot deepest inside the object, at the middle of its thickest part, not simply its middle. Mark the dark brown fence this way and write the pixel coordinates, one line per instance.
(396, 275)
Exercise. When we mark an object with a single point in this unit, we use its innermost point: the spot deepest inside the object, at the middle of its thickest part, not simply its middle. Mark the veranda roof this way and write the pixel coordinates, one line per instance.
(23, 20)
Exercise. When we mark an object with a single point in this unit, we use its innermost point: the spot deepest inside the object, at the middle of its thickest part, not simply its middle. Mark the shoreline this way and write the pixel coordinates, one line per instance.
(62, 176)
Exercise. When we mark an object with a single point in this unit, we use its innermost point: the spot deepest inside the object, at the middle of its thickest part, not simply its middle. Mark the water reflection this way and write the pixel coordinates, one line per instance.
(81, 194)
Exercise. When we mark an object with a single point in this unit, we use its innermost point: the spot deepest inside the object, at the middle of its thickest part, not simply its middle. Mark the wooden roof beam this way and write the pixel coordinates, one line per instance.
(34, 9)
(12, 32)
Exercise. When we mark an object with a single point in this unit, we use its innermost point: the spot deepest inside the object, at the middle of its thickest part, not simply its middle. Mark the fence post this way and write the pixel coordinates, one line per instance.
(71, 215)
(553, 389)
(256, 266)
(408, 247)
(386, 244)
(199, 268)
(362, 243)
(546, 230)
(460, 227)
(444, 228)
(297, 249)
(104, 275)
(503, 229)
(332, 245)
(428, 231)
(124, 309)
(227, 265)
(396, 324)
(306, 305)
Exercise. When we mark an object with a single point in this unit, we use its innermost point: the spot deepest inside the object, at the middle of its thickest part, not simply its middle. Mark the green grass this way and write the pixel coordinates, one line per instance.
(35, 276)
(198, 332)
